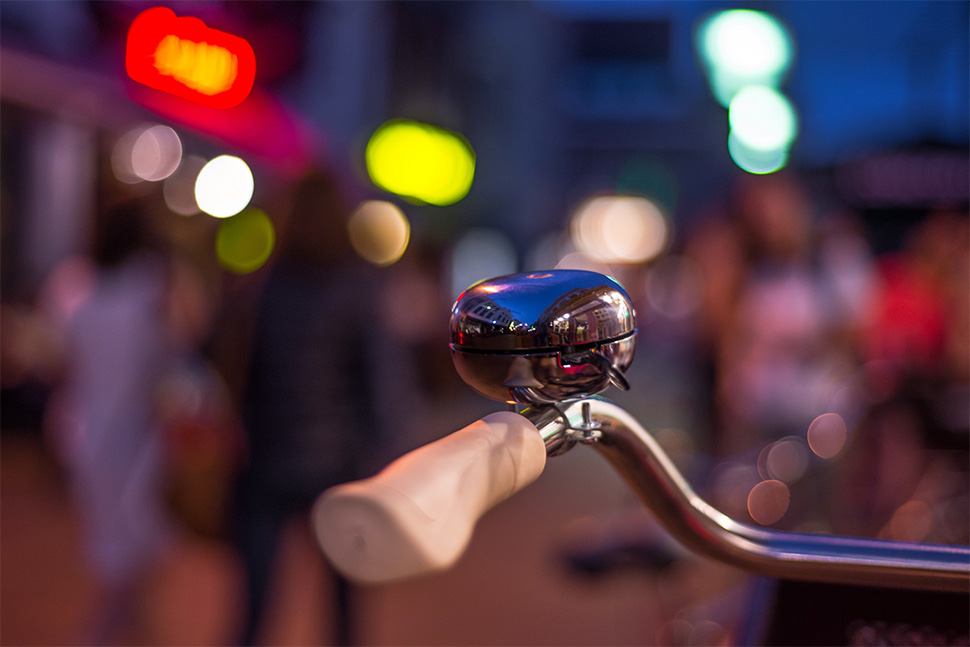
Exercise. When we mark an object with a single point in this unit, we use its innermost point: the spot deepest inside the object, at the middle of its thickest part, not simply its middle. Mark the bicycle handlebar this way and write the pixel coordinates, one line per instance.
(417, 515)
(701, 527)
(553, 339)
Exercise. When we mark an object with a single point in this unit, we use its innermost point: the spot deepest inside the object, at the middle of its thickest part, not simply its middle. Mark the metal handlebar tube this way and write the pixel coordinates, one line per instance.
(638, 457)
(553, 340)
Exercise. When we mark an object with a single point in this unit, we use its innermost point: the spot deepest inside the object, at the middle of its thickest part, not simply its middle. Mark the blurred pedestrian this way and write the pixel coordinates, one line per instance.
(785, 329)
(311, 400)
(117, 347)
(905, 474)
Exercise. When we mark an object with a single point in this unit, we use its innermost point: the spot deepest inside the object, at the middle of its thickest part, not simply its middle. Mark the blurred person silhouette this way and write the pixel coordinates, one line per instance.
(784, 320)
(314, 396)
(788, 287)
(920, 323)
(116, 321)
(905, 473)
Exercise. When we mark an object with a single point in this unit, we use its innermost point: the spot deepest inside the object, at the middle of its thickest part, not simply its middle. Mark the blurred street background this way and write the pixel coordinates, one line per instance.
(231, 234)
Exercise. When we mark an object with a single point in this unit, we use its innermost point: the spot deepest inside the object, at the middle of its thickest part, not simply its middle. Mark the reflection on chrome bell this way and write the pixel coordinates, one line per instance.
(543, 337)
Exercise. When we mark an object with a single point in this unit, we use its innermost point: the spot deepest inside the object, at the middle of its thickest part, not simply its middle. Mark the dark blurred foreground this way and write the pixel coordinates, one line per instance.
(509, 589)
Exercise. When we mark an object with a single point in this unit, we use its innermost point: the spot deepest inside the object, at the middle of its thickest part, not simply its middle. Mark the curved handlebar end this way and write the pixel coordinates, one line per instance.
(417, 515)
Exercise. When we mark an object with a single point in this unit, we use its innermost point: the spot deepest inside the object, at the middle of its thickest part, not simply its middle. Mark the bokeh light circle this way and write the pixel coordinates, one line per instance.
(245, 241)
(827, 435)
(768, 502)
(420, 161)
(621, 229)
(379, 232)
(121, 157)
(912, 521)
(224, 186)
(762, 118)
(756, 162)
(146, 153)
(741, 47)
(156, 153)
(784, 460)
(178, 189)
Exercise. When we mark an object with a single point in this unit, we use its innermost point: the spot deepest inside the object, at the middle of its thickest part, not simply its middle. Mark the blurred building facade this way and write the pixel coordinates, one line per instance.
(559, 100)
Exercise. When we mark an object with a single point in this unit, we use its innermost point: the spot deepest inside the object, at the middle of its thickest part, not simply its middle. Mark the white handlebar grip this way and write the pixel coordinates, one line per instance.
(417, 515)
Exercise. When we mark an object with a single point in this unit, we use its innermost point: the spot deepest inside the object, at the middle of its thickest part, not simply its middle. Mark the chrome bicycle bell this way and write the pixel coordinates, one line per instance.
(543, 337)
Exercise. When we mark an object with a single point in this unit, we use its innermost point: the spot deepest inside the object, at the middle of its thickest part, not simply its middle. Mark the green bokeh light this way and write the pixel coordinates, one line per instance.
(743, 47)
(245, 241)
(757, 162)
(762, 118)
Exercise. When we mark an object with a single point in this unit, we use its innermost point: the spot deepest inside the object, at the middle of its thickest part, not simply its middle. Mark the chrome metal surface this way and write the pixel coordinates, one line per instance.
(553, 339)
(702, 528)
(543, 337)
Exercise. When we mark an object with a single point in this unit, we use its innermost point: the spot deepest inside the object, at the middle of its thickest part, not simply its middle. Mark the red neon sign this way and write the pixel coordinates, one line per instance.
(184, 57)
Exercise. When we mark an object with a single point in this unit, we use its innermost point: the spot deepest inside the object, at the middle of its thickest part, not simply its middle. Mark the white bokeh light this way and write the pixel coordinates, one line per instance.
(747, 42)
(743, 47)
(121, 156)
(224, 187)
(621, 229)
(762, 118)
(179, 188)
(757, 162)
(156, 153)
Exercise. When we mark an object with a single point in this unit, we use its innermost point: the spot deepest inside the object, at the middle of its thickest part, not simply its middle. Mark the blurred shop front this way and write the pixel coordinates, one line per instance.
(72, 117)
